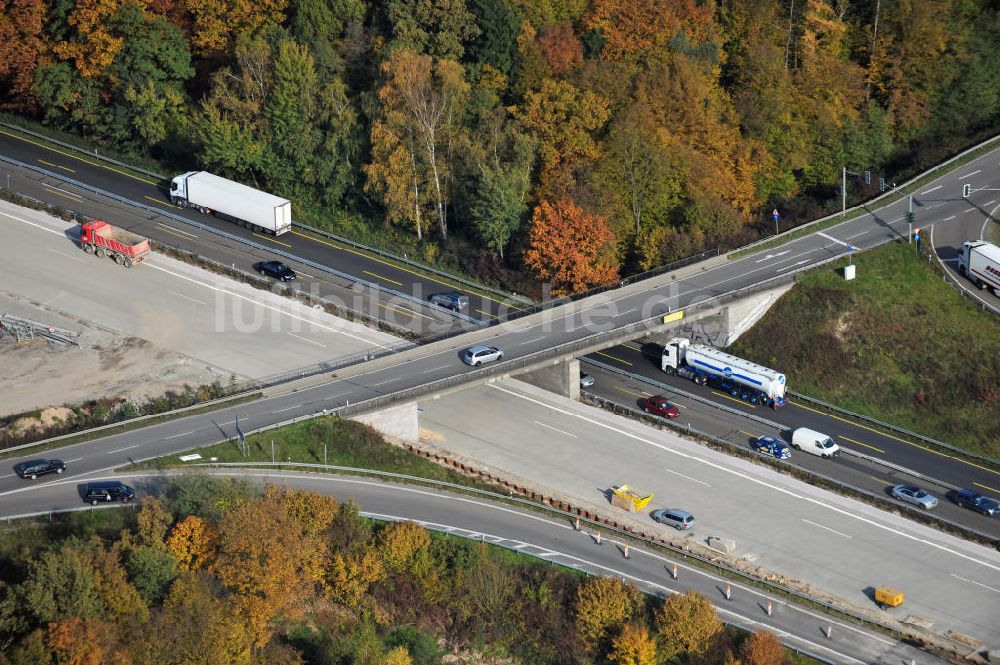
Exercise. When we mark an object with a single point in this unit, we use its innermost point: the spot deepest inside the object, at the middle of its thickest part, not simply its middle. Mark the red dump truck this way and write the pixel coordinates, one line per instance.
(101, 239)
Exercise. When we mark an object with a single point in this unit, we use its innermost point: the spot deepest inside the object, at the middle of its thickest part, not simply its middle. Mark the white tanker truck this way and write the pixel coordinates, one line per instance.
(740, 378)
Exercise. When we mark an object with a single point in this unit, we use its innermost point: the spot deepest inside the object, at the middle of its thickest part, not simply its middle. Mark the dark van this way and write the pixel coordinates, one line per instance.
(107, 490)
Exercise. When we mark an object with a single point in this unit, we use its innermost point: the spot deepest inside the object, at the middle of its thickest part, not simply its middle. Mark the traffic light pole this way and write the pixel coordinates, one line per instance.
(909, 220)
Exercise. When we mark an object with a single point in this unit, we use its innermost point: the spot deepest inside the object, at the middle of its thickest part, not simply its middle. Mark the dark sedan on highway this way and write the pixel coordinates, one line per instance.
(771, 447)
(976, 501)
(275, 269)
(39, 467)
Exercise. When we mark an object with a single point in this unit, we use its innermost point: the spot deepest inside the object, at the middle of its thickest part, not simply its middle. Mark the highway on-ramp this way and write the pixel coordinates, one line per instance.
(553, 539)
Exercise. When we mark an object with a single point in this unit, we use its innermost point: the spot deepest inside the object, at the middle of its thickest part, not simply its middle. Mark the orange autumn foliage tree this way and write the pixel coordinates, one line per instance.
(77, 642)
(569, 248)
(603, 604)
(193, 542)
(633, 646)
(634, 30)
(400, 541)
(561, 48)
(92, 47)
(763, 648)
(21, 47)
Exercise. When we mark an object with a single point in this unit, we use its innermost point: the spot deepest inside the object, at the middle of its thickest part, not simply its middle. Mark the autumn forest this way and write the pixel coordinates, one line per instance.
(522, 141)
(216, 572)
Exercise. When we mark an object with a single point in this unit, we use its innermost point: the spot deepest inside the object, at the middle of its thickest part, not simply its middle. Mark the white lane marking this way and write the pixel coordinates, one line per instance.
(968, 210)
(181, 295)
(305, 274)
(794, 265)
(382, 383)
(989, 203)
(985, 586)
(9, 475)
(306, 340)
(37, 226)
(694, 480)
(932, 189)
(772, 256)
(68, 256)
(121, 449)
(856, 235)
(177, 435)
(435, 369)
(536, 339)
(170, 228)
(839, 242)
(969, 175)
(948, 219)
(828, 529)
(75, 459)
(287, 409)
(629, 311)
(264, 305)
(557, 429)
(752, 479)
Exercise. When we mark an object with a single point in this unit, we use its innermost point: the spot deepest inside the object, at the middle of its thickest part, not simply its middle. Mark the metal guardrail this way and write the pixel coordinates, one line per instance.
(569, 516)
(470, 535)
(416, 264)
(829, 480)
(138, 419)
(94, 154)
(351, 279)
(332, 236)
(893, 428)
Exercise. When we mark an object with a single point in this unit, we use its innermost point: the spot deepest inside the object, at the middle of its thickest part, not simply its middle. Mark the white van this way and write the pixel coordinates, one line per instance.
(814, 442)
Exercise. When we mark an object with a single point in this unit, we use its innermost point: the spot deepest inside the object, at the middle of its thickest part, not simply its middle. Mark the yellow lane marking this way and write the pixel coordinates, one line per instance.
(423, 277)
(72, 197)
(742, 431)
(65, 168)
(861, 444)
(896, 438)
(987, 487)
(401, 311)
(77, 157)
(381, 277)
(730, 397)
(880, 480)
(161, 202)
(632, 346)
(270, 239)
(175, 233)
(630, 392)
(492, 316)
(624, 362)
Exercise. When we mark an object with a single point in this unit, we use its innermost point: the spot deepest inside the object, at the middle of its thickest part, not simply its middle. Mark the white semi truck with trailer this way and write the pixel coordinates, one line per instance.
(246, 206)
(740, 378)
(980, 262)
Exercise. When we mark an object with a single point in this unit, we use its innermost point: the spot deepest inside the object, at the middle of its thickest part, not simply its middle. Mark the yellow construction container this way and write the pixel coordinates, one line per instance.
(627, 498)
(887, 597)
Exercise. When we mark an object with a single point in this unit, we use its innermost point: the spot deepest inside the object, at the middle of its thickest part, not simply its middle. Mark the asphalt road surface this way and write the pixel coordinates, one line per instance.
(836, 544)
(641, 358)
(246, 331)
(554, 540)
(697, 410)
(135, 186)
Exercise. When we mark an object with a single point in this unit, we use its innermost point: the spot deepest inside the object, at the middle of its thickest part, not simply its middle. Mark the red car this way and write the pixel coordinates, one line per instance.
(660, 406)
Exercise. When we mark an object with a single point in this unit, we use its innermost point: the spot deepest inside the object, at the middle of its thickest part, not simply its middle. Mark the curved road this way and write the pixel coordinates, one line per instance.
(556, 541)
